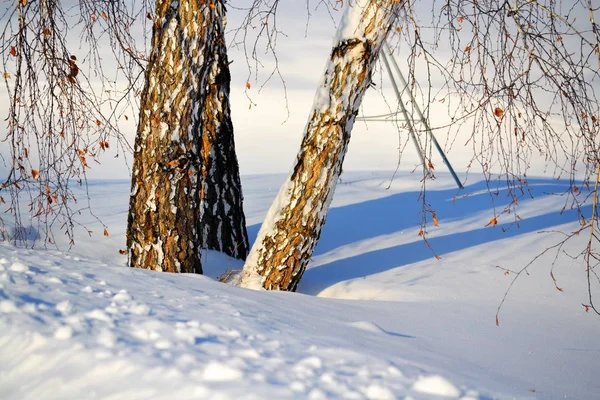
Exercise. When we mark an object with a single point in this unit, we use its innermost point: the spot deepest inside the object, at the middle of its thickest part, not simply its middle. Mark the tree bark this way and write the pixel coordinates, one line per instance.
(222, 224)
(185, 181)
(293, 224)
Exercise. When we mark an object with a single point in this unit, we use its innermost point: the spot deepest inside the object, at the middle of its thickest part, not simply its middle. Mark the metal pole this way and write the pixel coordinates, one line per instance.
(407, 119)
(423, 120)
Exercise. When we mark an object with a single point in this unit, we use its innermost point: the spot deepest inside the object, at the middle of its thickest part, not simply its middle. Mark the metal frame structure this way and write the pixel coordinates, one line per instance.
(386, 56)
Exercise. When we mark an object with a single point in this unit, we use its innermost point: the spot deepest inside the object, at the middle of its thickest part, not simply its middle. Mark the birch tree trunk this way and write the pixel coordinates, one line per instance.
(293, 224)
(222, 223)
(185, 186)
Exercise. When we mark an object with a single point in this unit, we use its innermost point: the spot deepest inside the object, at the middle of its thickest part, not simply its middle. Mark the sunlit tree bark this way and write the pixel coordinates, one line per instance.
(293, 224)
(185, 187)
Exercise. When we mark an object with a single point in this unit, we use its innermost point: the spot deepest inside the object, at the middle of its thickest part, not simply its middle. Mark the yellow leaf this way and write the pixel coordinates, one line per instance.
(104, 15)
(98, 122)
(468, 48)
(6, 75)
(587, 308)
(493, 221)
(35, 174)
(105, 232)
(498, 112)
(248, 85)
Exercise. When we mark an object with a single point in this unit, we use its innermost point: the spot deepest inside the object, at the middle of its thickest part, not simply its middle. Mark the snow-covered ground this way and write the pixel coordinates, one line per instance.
(377, 316)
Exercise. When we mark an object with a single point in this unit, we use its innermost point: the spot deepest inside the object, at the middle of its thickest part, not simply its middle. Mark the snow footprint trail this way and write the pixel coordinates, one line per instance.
(78, 329)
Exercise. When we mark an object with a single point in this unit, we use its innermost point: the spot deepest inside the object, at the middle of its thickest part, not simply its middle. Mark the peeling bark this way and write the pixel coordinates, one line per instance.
(184, 143)
(293, 225)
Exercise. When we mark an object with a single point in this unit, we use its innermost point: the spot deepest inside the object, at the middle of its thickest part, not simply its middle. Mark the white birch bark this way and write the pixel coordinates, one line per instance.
(293, 224)
(185, 182)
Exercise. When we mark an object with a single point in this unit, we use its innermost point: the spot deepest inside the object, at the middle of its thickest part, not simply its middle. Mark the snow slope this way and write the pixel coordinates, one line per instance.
(377, 316)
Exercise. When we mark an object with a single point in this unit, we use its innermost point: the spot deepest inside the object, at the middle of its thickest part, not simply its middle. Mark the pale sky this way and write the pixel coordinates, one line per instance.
(267, 138)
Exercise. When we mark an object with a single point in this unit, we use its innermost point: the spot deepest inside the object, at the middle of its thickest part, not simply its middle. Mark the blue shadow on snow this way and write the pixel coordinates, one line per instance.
(396, 213)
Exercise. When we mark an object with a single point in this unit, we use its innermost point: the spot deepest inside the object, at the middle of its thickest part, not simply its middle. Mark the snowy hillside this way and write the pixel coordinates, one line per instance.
(377, 316)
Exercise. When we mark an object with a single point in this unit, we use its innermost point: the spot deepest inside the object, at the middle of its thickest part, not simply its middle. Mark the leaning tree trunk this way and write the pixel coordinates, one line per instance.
(184, 145)
(293, 224)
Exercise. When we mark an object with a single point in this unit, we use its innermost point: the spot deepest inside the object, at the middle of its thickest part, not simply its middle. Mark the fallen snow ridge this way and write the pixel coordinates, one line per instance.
(376, 316)
(76, 328)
